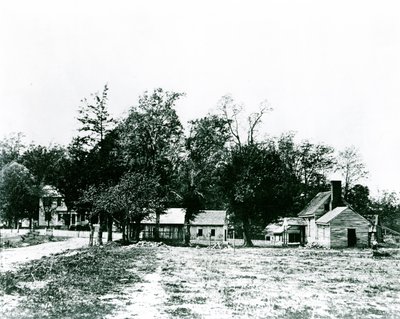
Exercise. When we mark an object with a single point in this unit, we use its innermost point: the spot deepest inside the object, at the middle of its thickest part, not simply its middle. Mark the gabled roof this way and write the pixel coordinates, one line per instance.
(274, 228)
(210, 217)
(176, 216)
(173, 216)
(284, 224)
(294, 221)
(314, 204)
(325, 219)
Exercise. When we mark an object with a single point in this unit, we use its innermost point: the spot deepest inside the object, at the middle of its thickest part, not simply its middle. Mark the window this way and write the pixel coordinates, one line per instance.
(59, 201)
(200, 232)
(268, 238)
(212, 232)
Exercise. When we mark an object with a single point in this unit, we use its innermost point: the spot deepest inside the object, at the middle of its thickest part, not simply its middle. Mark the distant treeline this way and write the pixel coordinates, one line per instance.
(120, 171)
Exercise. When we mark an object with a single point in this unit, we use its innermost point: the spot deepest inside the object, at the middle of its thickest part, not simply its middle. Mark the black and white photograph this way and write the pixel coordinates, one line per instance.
(206, 159)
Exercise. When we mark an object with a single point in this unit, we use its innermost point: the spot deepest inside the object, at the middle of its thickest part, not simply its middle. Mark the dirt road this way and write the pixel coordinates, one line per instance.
(12, 258)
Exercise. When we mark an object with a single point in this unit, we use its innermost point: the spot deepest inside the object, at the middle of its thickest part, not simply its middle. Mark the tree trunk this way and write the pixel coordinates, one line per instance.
(109, 227)
(247, 233)
(91, 234)
(100, 234)
(157, 226)
(129, 232)
(124, 239)
(187, 231)
(137, 230)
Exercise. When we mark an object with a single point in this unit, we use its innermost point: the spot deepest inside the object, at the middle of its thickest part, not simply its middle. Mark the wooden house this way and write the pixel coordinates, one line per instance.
(316, 208)
(342, 227)
(209, 225)
(332, 223)
(170, 225)
(54, 213)
(327, 221)
(287, 231)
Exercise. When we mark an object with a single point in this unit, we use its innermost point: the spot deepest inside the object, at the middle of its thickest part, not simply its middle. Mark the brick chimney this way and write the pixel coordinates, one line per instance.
(336, 194)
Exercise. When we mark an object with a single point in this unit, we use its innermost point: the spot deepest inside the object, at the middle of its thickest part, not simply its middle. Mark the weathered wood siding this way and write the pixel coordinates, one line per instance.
(174, 232)
(219, 232)
(311, 234)
(324, 235)
(311, 230)
(339, 226)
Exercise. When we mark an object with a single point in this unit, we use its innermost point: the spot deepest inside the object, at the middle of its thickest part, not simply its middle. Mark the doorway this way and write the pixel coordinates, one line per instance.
(351, 237)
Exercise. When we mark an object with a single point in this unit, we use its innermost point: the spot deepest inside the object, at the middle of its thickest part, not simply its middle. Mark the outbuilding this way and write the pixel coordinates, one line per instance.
(342, 227)
(207, 226)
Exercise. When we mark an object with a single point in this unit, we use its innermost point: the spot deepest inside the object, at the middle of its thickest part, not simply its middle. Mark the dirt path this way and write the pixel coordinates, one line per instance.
(14, 257)
(143, 300)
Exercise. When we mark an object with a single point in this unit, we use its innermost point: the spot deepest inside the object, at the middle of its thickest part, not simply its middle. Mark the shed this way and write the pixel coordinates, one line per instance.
(210, 225)
(342, 227)
(287, 231)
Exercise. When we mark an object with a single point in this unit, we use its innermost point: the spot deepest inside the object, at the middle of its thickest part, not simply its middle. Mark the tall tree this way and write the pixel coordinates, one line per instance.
(310, 164)
(95, 119)
(205, 149)
(11, 148)
(43, 163)
(18, 196)
(358, 198)
(387, 206)
(351, 166)
(243, 130)
(88, 160)
(152, 133)
(252, 181)
(130, 201)
(151, 139)
(73, 177)
(250, 176)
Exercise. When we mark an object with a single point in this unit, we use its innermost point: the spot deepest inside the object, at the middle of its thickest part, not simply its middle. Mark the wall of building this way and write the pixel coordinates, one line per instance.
(311, 230)
(60, 214)
(173, 232)
(206, 230)
(324, 235)
(339, 229)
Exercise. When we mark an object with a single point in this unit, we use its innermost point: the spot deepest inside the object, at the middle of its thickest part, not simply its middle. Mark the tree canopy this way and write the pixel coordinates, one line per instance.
(148, 160)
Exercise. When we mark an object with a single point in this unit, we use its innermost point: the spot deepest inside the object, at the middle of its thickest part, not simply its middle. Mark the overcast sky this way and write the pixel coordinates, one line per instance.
(330, 69)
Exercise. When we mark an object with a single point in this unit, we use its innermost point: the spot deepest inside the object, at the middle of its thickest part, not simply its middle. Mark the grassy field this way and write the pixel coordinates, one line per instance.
(176, 282)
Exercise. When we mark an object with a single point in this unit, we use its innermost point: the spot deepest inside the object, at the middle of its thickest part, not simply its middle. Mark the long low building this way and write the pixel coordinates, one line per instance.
(207, 226)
